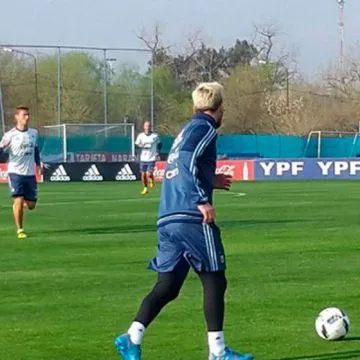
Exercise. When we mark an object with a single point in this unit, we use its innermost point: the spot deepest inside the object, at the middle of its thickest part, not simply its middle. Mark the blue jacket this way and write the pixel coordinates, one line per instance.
(190, 172)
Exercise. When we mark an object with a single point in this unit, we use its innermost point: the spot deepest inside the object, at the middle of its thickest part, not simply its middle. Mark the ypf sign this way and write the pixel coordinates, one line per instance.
(307, 169)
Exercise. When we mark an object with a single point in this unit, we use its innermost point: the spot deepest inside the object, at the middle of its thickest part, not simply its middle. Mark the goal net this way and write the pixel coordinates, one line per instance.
(324, 144)
(62, 142)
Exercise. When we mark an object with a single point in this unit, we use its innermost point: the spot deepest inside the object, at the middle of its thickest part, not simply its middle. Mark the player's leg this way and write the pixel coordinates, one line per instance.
(172, 271)
(214, 287)
(150, 174)
(165, 290)
(30, 193)
(208, 259)
(17, 189)
(28, 190)
(30, 205)
(18, 212)
(144, 179)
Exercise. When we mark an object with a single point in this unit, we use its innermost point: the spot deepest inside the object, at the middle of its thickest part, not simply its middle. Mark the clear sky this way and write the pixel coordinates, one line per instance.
(310, 27)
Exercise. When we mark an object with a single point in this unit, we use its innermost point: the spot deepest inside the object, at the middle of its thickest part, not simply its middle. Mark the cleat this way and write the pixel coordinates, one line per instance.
(231, 355)
(126, 349)
(152, 184)
(21, 234)
(145, 191)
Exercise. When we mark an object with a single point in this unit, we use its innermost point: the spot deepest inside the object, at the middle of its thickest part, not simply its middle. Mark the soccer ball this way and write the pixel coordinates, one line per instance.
(332, 324)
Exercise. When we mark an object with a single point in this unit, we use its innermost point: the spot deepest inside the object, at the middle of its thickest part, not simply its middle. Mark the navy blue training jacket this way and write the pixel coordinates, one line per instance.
(190, 172)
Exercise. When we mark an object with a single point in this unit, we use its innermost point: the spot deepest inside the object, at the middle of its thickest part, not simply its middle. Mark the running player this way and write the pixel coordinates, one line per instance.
(21, 143)
(150, 144)
(187, 234)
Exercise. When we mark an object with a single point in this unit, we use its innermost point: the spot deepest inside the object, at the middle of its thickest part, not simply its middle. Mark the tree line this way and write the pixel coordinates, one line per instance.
(264, 92)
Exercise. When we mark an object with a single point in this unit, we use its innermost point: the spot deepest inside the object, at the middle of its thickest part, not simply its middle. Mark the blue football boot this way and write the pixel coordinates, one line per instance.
(231, 355)
(126, 348)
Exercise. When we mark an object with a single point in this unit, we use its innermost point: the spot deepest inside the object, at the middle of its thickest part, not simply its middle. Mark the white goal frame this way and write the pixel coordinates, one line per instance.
(321, 133)
(63, 131)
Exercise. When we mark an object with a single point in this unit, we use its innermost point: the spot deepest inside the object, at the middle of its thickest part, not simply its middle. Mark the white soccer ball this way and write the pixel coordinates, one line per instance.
(332, 324)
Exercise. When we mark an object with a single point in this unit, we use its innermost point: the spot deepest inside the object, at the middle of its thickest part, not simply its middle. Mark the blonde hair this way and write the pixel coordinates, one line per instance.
(208, 96)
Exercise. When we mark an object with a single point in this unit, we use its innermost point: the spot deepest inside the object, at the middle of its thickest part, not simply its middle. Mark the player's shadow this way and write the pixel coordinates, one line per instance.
(258, 222)
(141, 228)
(117, 229)
(355, 354)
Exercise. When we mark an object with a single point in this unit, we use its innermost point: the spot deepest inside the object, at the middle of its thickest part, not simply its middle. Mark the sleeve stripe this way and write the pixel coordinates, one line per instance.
(209, 136)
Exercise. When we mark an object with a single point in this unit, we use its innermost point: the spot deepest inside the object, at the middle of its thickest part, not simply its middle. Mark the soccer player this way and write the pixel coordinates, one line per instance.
(150, 144)
(187, 234)
(21, 143)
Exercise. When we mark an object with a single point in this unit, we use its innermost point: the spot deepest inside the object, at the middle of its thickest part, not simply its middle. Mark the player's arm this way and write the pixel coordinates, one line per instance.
(5, 143)
(38, 162)
(138, 142)
(37, 158)
(158, 145)
(191, 150)
(193, 147)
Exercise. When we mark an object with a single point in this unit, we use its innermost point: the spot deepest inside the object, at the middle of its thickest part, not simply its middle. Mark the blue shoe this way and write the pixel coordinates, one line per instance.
(126, 348)
(231, 355)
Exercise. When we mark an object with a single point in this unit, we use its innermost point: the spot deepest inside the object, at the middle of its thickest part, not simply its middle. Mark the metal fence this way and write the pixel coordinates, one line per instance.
(64, 84)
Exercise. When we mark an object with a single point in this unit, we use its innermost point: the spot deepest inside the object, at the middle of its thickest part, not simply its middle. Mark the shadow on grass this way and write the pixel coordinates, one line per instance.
(117, 229)
(259, 222)
(352, 338)
(355, 354)
(141, 228)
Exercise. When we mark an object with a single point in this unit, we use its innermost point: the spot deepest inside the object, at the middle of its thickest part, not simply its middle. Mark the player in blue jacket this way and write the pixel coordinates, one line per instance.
(187, 234)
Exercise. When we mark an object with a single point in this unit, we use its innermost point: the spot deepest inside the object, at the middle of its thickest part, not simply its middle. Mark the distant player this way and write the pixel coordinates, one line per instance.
(21, 143)
(187, 234)
(149, 143)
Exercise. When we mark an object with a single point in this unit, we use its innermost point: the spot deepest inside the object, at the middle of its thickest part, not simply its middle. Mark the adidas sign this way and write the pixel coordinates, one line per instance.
(60, 174)
(92, 174)
(125, 174)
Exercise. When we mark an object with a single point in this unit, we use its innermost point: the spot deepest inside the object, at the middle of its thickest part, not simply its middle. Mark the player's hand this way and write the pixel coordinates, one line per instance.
(5, 144)
(208, 213)
(223, 182)
(39, 170)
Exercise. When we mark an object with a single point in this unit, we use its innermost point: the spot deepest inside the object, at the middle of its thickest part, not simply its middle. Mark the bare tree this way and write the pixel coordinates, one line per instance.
(152, 38)
(263, 39)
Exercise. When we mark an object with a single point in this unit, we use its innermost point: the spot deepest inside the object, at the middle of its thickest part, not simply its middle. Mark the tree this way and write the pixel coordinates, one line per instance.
(129, 95)
(17, 83)
(81, 88)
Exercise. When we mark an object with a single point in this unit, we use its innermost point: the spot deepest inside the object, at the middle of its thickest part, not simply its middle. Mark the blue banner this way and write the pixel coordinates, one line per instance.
(307, 169)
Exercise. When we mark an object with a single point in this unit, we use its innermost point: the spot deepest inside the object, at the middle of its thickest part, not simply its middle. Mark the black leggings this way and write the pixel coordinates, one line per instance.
(167, 289)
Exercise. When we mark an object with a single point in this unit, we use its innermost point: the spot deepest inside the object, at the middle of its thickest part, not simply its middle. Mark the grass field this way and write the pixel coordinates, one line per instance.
(293, 248)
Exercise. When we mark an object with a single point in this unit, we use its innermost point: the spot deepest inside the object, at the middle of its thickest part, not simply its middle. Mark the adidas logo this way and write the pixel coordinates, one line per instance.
(126, 174)
(92, 174)
(60, 174)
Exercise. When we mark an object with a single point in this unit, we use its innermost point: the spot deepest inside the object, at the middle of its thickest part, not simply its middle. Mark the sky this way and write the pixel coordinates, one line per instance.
(308, 28)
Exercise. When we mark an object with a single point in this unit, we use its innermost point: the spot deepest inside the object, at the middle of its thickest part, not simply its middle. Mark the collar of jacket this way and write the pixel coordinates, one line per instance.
(203, 116)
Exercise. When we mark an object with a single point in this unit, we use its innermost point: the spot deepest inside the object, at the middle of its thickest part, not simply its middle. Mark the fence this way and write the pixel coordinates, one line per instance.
(76, 84)
(229, 146)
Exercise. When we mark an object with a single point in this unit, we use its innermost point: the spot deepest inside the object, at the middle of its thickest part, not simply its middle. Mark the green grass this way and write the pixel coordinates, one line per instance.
(292, 249)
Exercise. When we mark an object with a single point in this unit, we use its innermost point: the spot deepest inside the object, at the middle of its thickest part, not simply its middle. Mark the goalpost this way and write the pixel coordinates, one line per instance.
(319, 135)
(62, 141)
